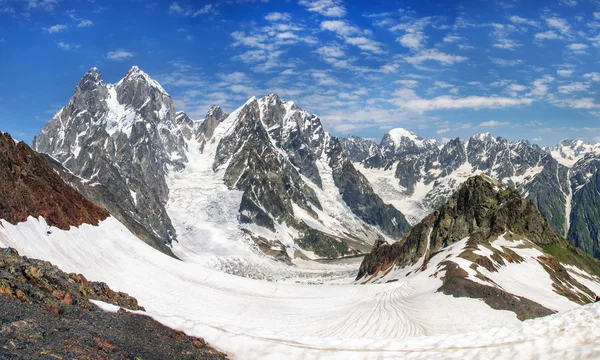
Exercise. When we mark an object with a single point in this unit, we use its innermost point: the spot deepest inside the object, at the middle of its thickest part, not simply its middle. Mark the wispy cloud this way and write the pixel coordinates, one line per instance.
(434, 55)
(505, 62)
(67, 46)
(119, 55)
(56, 28)
(328, 8)
(85, 23)
(493, 124)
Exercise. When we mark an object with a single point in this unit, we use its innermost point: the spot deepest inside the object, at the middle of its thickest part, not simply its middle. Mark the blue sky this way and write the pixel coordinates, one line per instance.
(517, 68)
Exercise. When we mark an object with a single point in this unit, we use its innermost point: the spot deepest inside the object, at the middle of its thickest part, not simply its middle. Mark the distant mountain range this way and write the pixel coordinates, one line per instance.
(417, 175)
(269, 174)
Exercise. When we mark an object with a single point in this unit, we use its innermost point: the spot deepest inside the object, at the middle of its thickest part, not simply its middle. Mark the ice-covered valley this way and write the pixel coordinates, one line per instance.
(252, 319)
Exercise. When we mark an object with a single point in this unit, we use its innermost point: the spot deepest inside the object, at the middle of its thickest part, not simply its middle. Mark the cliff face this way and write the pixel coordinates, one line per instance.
(30, 187)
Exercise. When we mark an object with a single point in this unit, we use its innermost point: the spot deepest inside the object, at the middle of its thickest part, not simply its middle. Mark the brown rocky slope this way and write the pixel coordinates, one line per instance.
(30, 187)
(46, 313)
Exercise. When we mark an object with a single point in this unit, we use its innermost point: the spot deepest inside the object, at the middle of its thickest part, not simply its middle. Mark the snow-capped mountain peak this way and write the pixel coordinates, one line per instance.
(136, 74)
(397, 136)
(485, 137)
(569, 151)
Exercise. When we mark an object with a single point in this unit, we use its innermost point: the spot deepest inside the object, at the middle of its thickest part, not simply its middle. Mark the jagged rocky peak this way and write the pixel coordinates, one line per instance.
(125, 137)
(213, 118)
(182, 118)
(288, 124)
(485, 137)
(359, 149)
(136, 75)
(91, 80)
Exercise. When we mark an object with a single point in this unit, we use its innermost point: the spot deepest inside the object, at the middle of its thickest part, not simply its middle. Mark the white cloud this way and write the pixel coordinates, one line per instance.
(568, 2)
(85, 23)
(407, 99)
(177, 9)
(206, 9)
(434, 55)
(366, 44)
(507, 44)
(523, 21)
(559, 24)
(328, 8)
(411, 40)
(408, 83)
(540, 86)
(47, 5)
(340, 27)
(594, 76)
(493, 123)
(56, 28)
(451, 38)
(277, 16)
(517, 88)
(583, 103)
(119, 55)
(67, 46)
(547, 35)
(505, 62)
(576, 47)
(565, 72)
(442, 131)
(573, 87)
(537, 139)
(331, 51)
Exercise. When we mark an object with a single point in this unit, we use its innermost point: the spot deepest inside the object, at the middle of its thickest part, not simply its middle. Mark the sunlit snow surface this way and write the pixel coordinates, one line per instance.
(253, 319)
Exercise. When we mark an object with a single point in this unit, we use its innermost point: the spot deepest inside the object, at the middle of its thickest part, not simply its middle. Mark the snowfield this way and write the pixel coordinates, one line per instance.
(253, 319)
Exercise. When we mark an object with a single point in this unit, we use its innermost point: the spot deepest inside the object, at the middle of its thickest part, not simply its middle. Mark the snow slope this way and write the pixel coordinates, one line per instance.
(262, 320)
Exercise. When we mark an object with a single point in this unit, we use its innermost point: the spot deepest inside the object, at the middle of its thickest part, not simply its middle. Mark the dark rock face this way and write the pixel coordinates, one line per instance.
(125, 137)
(360, 197)
(584, 231)
(268, 179)
(206, 129)
(30, 187)
(45, 312)
(358, 149)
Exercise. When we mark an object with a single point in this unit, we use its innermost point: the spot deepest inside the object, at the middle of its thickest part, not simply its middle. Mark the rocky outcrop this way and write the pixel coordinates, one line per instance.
(30, 187)
(481, 209)
(481, 212)
(47, 313)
